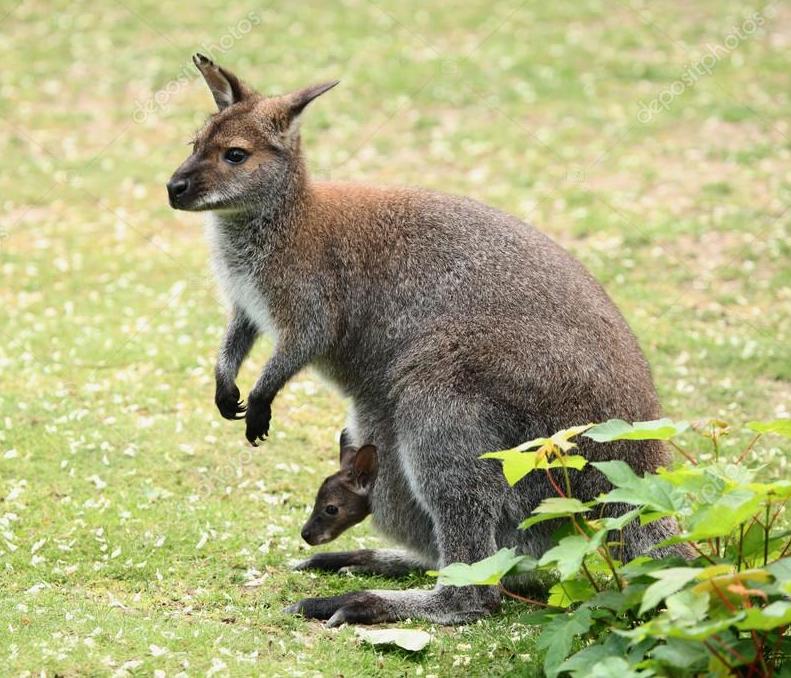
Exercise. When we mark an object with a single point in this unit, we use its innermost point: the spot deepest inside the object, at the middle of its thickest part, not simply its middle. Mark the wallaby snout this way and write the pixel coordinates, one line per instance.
(315, 538)
(177, 187)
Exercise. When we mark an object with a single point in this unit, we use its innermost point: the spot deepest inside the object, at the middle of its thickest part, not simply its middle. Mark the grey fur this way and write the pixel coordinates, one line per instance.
(455, 329)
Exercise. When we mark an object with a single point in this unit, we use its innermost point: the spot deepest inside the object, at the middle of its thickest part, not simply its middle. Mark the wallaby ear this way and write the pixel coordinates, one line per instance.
(225, 87)
(347, 455)
(365, 466)
(297, 101)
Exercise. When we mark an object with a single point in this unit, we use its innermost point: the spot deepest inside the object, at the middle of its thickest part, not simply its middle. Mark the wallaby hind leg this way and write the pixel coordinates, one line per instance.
(387, 563)
(464, 501)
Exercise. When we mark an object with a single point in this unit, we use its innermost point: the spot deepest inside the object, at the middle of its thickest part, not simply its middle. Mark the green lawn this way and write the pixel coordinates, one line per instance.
(138, 531)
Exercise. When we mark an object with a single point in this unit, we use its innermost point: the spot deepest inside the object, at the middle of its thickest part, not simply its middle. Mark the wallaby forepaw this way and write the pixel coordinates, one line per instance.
(229, 403)
(257, 417)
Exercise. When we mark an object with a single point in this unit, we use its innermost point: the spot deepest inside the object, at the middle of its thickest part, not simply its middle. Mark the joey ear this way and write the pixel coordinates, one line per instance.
(365, 466)
(225, 87)
(296, 101)
(348, 453)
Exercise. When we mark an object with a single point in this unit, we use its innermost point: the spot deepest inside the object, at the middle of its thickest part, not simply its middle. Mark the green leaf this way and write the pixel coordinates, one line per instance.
(766, 618)
(579, 664)
(651, 490)
(618, 429)
(539, 617)
(566, 593)
(668, 582)
(570, 552)
(781, 570)
(486, 572)
(687, 606)
(516, 465)
(616, 667)
(619, 522)
(552, 509)
(681, 654)
(663, 626)
(542, 517)
(608, 599)
(779, 426)
(574, 461)
(619, 473)
(561, 505)
(722, 517)
(561, 440)
(558, 636)
(752, 542)
(640, 567)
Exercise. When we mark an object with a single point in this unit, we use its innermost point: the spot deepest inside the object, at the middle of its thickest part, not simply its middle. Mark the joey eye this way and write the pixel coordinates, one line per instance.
(331, 510)
(235, 156)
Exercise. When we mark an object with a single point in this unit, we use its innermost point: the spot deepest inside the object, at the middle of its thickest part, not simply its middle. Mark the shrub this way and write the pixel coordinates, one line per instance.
(724, 612)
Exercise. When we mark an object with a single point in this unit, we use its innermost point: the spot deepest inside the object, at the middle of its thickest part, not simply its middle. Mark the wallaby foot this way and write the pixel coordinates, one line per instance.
(443, 605)
(380, 561)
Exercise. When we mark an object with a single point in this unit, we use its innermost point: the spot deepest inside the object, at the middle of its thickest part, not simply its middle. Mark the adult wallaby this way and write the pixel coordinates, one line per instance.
(454, 329)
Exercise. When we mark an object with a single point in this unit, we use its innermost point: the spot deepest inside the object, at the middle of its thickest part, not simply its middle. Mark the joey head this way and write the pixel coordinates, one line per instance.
(343, 500)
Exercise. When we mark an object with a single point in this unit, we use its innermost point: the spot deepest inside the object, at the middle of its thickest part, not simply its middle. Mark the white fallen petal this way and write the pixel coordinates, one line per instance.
(409, 639)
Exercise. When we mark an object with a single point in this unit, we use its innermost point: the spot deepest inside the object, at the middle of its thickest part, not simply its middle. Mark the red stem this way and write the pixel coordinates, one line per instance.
(554, 484)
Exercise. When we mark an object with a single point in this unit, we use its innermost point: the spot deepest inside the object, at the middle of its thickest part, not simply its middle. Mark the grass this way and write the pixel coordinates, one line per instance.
(138, 533)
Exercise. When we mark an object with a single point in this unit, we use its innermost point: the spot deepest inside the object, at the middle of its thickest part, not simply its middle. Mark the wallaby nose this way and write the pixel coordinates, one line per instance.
(305, 534)
(178, 187)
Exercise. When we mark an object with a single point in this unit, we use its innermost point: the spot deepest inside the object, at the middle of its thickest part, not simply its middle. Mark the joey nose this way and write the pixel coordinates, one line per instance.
(177, 187)
(306, 534)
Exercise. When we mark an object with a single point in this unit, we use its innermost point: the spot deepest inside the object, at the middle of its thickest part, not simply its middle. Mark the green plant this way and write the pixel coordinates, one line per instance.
(724, 612)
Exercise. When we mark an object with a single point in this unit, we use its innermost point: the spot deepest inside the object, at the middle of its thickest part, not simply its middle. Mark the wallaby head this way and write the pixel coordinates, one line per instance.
(343, 499)
(247, 152)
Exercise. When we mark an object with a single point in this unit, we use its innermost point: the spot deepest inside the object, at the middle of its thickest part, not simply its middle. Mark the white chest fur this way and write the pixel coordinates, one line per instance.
(236, 280)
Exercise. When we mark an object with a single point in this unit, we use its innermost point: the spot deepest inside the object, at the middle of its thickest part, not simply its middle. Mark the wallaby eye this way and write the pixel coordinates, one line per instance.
(331, 510)
(235, 156)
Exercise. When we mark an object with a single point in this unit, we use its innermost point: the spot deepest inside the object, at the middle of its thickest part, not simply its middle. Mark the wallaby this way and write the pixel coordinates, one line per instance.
(343, 500)
(454, 329)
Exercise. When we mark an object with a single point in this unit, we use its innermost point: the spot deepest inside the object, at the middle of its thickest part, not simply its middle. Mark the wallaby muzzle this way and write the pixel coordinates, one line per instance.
(315, 537)
(183, 186)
